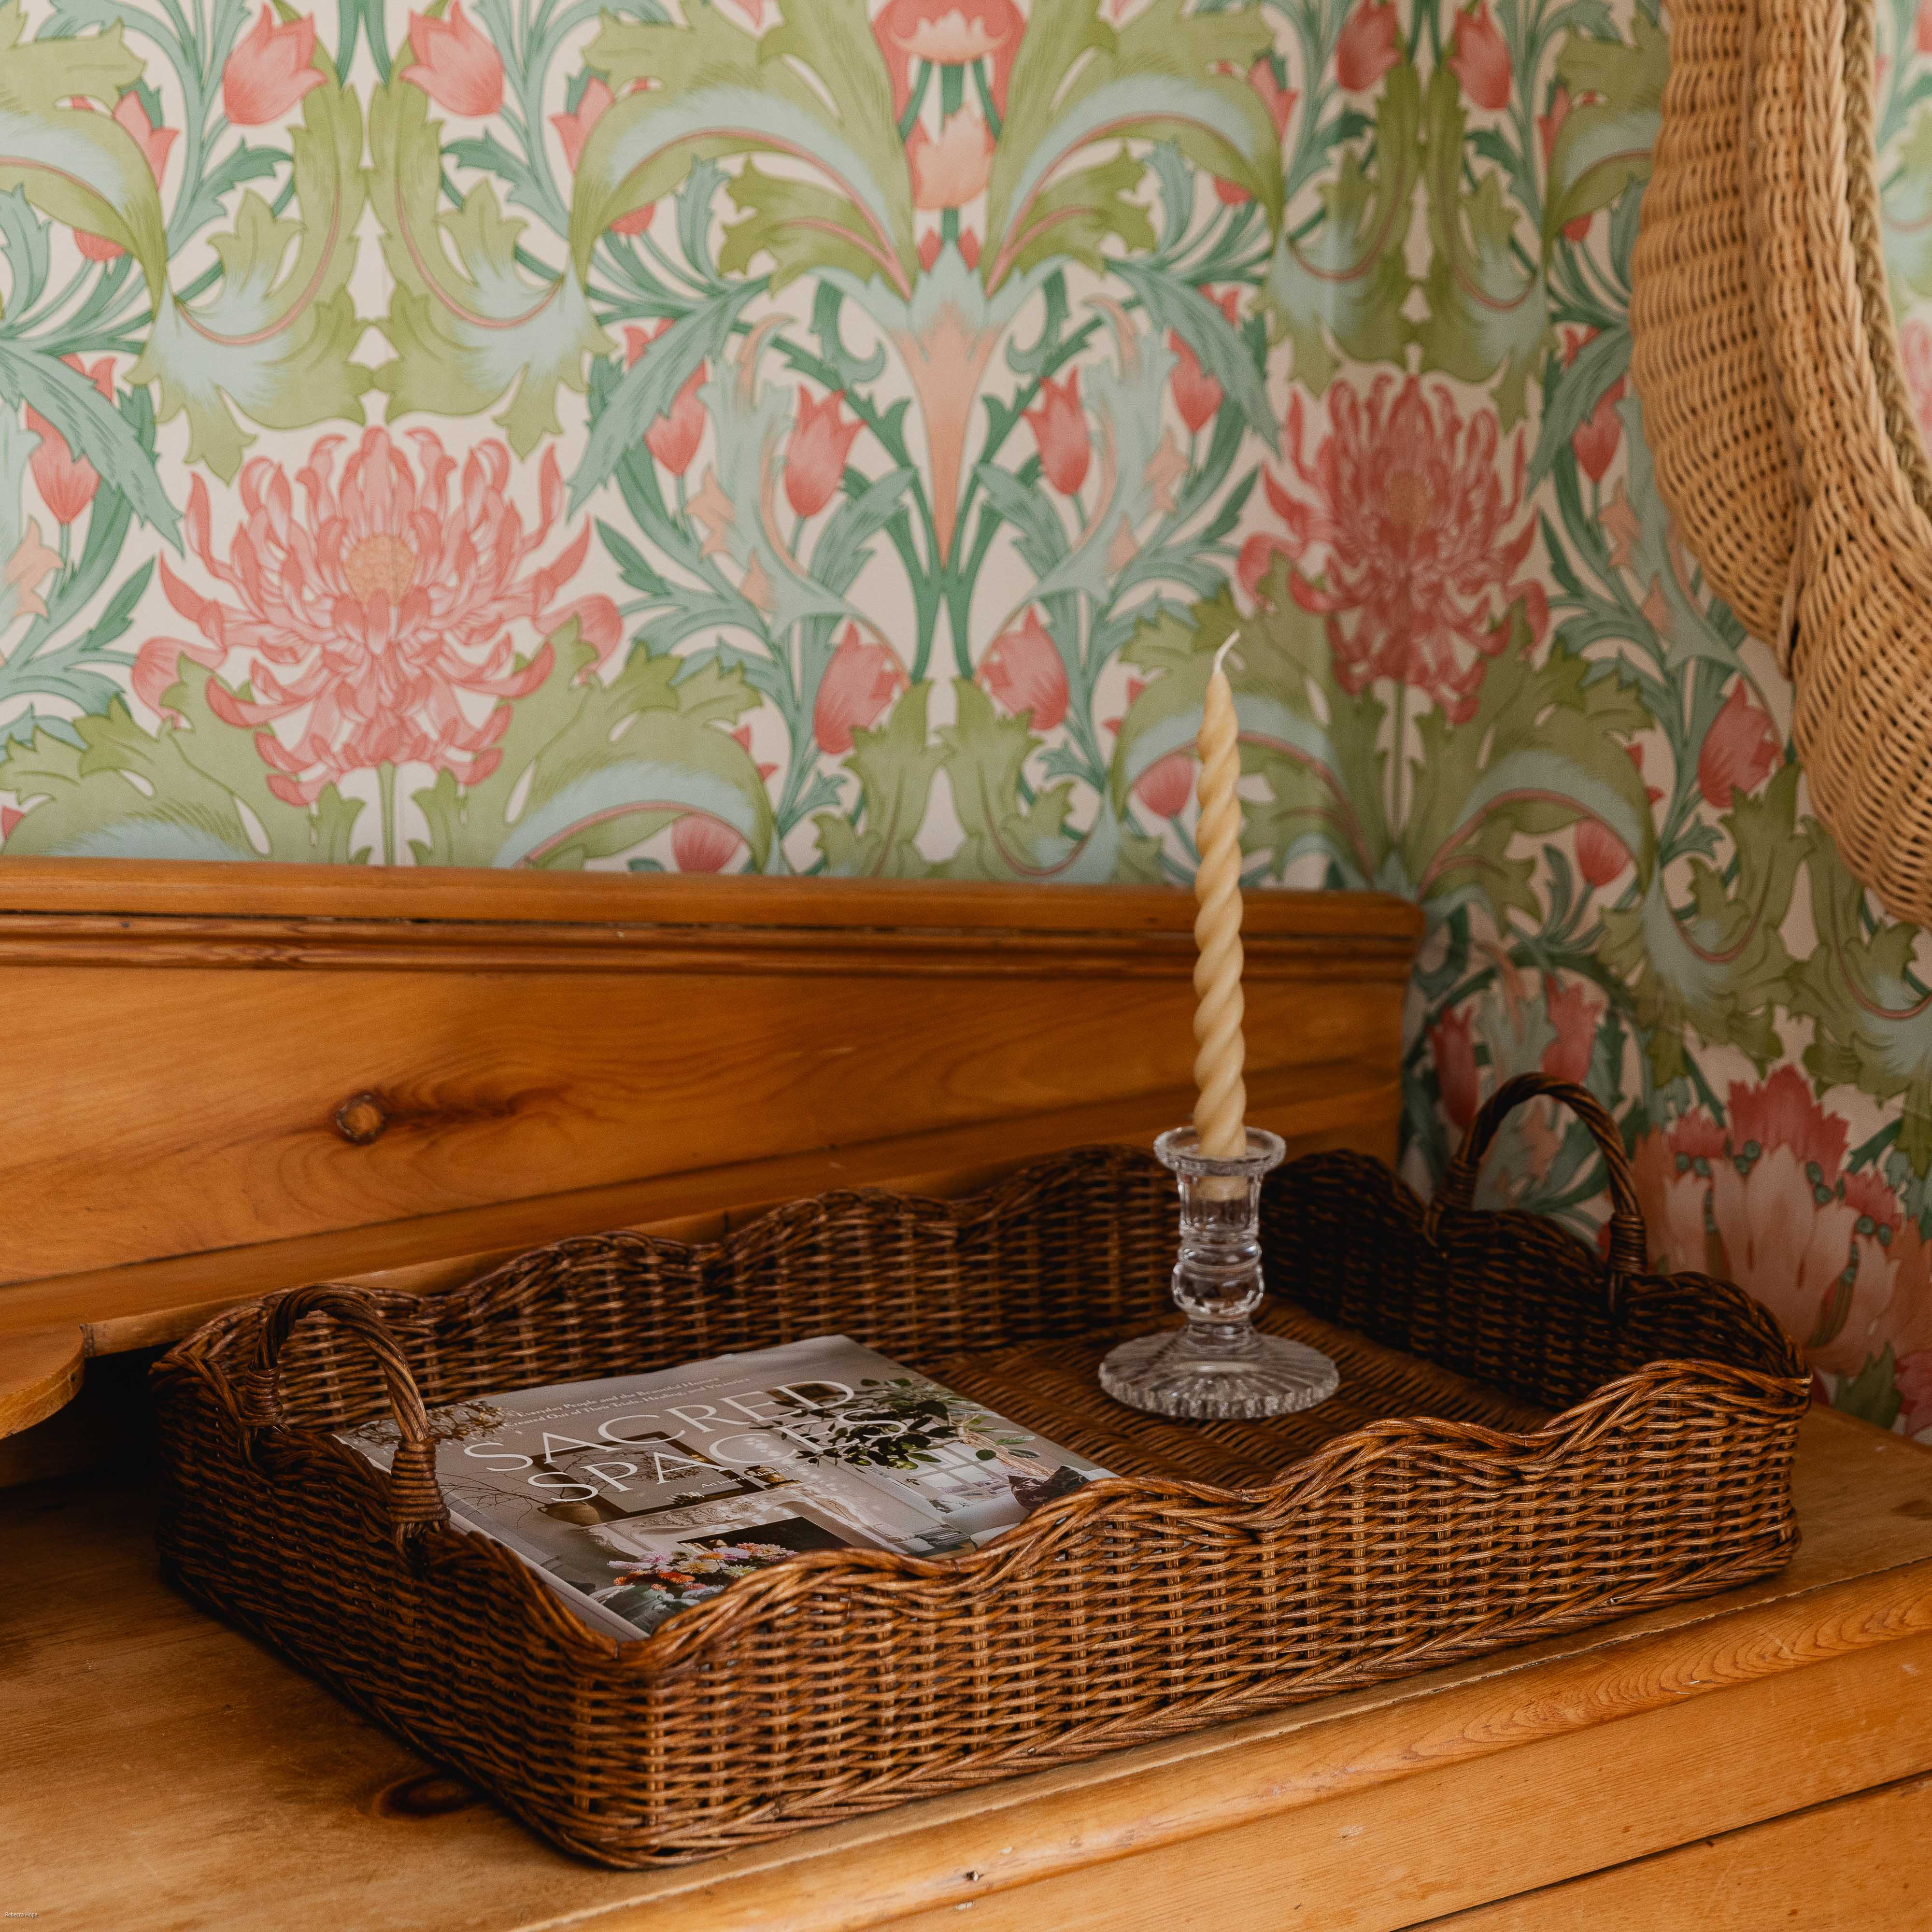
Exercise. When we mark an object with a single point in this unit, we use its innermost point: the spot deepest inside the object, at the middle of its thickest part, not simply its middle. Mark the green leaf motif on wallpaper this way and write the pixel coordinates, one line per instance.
(1605, 144)
(1486, 314)
(1544, 750)
(895, 766)
(1007, 834)
(1905, 208)
(76, 164)
(1177, 653)
(1350, 278)
(1873, 1024)
(117, 441)
(1719, 967)
(815, 90)
(274, 340)
(1166, 75)
(588, 769)
(796, 226)
(1872, 1395)
(1078, 217)
(195, 789)
(23, 241)
(1314, 744)
(1326, 780)
(468, 332)
(1215, 344)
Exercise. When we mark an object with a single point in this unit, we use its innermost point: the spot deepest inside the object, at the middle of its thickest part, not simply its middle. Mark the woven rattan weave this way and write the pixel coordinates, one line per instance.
(1526, 1441)
(1765, 350)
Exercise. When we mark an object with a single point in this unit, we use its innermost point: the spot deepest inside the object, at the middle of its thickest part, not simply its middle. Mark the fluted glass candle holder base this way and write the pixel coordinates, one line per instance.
(1220, 1366)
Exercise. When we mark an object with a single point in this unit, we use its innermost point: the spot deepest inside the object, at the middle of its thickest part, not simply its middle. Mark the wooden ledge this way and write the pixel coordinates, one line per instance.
(40, 1372)
(149, 1304)
(139, 889)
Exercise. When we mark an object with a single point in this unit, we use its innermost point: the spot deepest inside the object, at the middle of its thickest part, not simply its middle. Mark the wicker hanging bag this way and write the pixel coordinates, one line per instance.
(1766, 354)
(1528, 1440)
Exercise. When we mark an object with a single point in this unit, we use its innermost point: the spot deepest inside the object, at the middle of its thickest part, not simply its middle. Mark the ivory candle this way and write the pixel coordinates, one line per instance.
(1219, 1112)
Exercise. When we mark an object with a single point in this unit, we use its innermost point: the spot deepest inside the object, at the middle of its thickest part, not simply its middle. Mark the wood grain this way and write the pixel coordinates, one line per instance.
(40, 1370)
(141, 889)
(1429, 1837)
(268, 1056)
(1856, 1865)
(149, 1304)
(1381, 1808)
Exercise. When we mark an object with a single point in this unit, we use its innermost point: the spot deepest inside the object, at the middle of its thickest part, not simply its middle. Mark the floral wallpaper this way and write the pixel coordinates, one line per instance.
(816, 435)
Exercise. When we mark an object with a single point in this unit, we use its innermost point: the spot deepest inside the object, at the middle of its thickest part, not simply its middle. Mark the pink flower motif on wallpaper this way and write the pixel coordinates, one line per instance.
(949, 33)
(1022, 671)
(701, 842)
(673, 438)
(952, 169)
(1602, 857)
(1740, 750)
(1167, 785)
(1480, 60)
(1673, 1185)
(1408, 505)
(857, 691)
(1452, 1044)
(1595, 441)
(1575, 1016)
(270, 70)
(376, 619)
(1059, 425)
(1197, 396)
(455, 65)
(815, 453)
(1367, 47)
(153, 142)
(67, 482)
(1766, 1202)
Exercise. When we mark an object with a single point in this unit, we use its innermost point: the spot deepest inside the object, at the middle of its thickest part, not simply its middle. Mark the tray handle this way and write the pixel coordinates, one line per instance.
(416, 1504)
(1630, 1244)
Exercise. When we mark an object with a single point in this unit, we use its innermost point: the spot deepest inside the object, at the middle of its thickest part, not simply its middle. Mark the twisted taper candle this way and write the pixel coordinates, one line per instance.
(1220, 1113)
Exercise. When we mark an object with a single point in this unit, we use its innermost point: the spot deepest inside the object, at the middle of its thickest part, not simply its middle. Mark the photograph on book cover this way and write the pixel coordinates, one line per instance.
(639, 1496)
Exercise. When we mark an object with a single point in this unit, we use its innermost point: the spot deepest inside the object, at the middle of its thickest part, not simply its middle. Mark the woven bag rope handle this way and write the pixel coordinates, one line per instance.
(1630, 1242)
(416, 1504)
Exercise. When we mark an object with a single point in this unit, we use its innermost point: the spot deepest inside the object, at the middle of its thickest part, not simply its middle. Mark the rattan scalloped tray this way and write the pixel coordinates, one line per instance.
(1526, 1441)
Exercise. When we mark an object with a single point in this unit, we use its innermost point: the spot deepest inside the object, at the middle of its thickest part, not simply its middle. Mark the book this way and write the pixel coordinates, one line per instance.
(637, 1496)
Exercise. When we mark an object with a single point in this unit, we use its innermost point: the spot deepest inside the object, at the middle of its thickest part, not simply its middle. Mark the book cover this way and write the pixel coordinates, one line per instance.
(637, 1496)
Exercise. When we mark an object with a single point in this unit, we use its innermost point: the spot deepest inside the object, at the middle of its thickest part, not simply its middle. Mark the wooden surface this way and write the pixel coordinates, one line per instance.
(145, 888)
(1348, 1104)
(212, 1787)
(40, 1370)
(231, 1078)
(1857, 1865)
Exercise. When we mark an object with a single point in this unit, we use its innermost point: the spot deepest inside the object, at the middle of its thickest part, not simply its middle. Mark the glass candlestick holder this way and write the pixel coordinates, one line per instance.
(1220, 1365)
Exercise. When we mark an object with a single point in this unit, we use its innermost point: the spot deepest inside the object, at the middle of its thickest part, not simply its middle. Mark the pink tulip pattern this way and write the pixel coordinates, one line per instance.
(761, 437)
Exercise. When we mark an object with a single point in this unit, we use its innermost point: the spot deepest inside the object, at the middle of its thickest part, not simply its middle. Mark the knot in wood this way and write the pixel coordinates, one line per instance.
(360, 1119)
